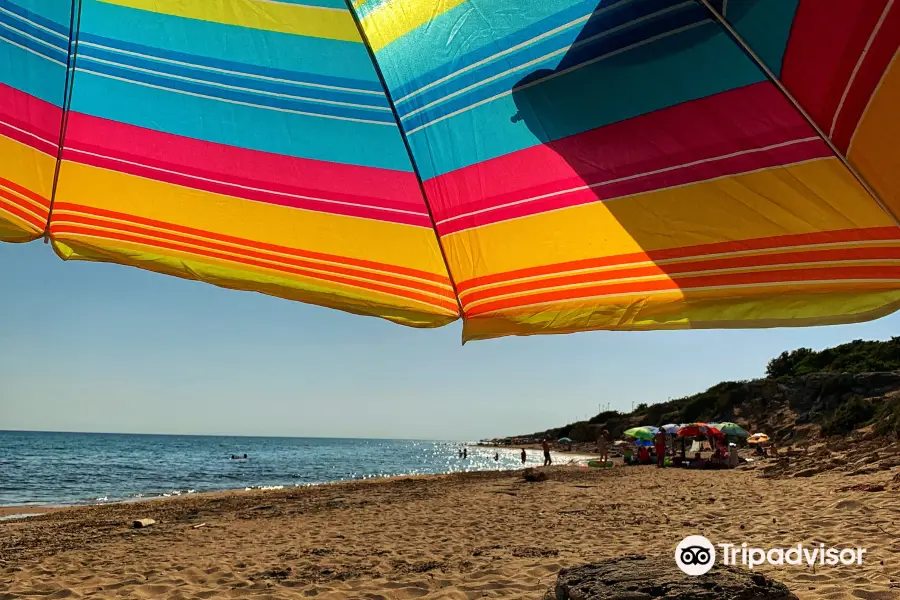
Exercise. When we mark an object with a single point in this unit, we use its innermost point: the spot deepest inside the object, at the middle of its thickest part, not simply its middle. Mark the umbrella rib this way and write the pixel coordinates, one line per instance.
(739, 40)
(74, 32)
(409, 152)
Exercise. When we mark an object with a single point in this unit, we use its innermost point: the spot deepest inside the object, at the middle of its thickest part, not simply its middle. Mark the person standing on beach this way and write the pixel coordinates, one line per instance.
(546, 446)
(659, 440)
(603, 446)
(524, 456)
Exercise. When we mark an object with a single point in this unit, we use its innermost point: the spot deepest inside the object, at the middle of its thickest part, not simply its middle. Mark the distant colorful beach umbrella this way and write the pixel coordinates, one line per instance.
(428, 161)
(564, 440)
(758, 438)
(671, 428)
(698, 430)
(642, 433)
(729, 428)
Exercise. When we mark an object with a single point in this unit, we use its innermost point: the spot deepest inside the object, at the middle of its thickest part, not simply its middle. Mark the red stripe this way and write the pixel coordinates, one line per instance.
(366, 264)
(676, 269)
(31, 114)
(8, 204)
(827, 39)
(688, 283)
(703, 172)
(247, 252)
(371, 187)
(45, 202)
(871, 71)
(175, 246)
(743, 119)
(784, 241)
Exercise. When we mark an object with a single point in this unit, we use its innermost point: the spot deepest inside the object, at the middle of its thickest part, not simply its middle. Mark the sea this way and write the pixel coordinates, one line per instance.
(63, 469)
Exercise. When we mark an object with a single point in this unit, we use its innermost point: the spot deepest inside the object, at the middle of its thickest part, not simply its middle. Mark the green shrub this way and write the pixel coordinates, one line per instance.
(848, 416)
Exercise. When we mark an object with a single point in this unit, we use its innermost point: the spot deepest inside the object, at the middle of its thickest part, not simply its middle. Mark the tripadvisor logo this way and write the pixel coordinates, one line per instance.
(696, 555)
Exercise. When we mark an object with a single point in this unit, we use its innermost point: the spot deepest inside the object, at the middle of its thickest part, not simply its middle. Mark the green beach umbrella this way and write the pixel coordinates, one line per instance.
(732, 429)
(642, 433)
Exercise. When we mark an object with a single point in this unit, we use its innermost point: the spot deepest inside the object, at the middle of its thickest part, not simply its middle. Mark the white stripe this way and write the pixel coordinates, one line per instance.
(232, 87)
(33, 24)
(563, 72)
(239, 186)
(509, 51)
(631, 177)
(35, 52)
(862, 57)
(695, 289)
(228, 72)
(23, 197)
(284, 110)
(36, 39)
(546, 57)
(695, 257)
(34, 135)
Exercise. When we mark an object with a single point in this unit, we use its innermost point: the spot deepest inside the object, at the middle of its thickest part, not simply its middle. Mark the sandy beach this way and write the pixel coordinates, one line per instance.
(461, 536)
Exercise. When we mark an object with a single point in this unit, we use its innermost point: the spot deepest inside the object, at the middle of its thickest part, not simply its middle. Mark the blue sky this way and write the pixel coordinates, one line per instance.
(96, 347)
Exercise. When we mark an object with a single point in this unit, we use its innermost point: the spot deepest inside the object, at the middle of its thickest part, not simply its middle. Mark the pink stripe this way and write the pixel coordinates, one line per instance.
(350, 210)
(372, 187)
(22, 114)
(702, 172)
(748, 118)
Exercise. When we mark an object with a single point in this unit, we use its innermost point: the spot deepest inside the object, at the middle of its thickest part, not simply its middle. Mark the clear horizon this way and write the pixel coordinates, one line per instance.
(104, 348)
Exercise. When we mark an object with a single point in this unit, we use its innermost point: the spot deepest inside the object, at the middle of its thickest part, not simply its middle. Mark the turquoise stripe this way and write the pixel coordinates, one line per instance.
(463, 29)
(692, 65)
(31, 74)
(58, 11)
(228, 42)
(235, 125)
(765, 25)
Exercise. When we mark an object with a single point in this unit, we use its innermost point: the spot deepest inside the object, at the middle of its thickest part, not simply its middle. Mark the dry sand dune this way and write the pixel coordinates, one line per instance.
(468, 536)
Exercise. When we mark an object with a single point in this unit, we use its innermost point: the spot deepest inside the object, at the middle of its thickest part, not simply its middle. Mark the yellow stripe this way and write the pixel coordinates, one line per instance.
(295, 19)
(389, 243)
(186, 266)
(675, 311)
(806, 198)
(396, 18)
(874, 150)
(31, 169)
(26, 166)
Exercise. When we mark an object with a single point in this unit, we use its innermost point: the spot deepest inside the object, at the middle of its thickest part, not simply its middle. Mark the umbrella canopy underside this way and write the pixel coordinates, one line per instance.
(538, 167)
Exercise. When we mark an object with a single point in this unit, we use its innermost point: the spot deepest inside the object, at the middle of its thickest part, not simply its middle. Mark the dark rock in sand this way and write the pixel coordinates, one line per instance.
(648, 578)
(532, 474)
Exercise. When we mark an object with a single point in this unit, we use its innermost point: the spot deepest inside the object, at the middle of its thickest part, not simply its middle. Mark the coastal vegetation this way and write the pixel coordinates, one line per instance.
(806, 393)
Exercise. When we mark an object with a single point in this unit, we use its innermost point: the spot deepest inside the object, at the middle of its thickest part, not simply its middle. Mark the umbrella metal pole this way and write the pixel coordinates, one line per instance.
(409, 152)
(762, 65)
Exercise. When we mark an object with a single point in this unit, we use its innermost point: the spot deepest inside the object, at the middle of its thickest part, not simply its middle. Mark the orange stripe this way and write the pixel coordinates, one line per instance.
(173, 237)
(45, 202)
(17, 211)
(824, 237)
(684, 284)
(366, 264)
(178, 247)
(739, 262)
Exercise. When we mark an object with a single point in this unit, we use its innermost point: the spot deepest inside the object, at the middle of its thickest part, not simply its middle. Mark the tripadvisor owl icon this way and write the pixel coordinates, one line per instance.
(695, 555)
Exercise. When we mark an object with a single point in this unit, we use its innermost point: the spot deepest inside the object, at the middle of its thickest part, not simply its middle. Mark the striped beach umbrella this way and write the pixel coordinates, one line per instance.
(527, 167)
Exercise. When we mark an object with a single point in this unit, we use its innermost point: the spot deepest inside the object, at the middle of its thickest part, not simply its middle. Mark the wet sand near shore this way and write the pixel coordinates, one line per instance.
(461, 536)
